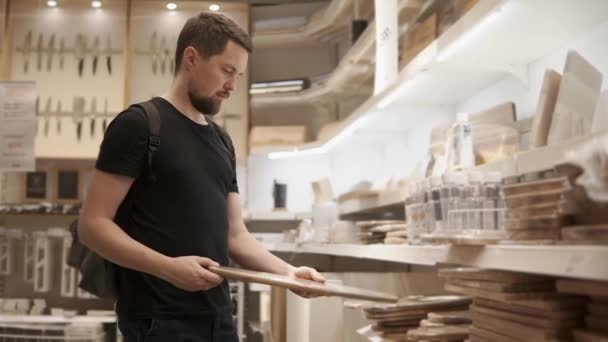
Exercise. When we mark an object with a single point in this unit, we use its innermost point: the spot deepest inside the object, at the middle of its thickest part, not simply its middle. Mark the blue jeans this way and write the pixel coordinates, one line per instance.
(207, 329)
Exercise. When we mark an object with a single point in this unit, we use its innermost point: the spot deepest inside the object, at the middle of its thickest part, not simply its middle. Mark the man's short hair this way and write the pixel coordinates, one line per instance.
(209, 33)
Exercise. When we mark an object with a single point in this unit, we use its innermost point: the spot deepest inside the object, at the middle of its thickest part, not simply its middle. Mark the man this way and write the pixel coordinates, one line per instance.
(190, 217)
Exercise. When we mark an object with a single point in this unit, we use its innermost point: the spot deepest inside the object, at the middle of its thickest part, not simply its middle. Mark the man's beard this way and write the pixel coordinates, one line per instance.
(205, 105)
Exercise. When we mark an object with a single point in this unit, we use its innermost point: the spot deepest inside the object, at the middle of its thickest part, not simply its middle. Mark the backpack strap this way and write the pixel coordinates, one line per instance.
(153, 116)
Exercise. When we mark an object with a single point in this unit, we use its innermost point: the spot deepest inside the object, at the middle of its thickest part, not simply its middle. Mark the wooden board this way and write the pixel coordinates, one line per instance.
(450, 317)
(549, 209)
(502, 114)
(537, 222)
(537, 198)
(581, 335)
(373, 223)
(534, 234)
(473, 273)
(577, 64)
(395, 241)
(439, 333)
(597, 324)
(397, 234)
(545, 108)
(597, 233)
(597, 309)
(301, 284)
(565, 313)
(518, 330)
(385, 228)
(540, 300)
(493, 286)
(482, 334)
(558, 183)
(582, 287)
(539, 322)
(420, 303)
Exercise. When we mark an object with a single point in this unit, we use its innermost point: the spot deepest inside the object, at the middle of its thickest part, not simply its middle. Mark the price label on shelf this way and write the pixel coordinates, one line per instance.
(387, 44)
(17, 126)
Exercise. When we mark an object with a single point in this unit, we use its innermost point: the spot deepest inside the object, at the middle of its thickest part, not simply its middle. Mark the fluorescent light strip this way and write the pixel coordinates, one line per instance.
(277, 84)
(464, 39)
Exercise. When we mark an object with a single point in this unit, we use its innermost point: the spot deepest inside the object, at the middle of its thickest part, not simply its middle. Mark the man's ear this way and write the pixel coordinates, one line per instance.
(189, 58)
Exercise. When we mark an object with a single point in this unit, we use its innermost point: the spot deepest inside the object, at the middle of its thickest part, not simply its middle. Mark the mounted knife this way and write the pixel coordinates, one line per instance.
(163, 55)
(93, 116)
(109, 54)
(61, 53)
(80, 48)
(96, 52)
(39, 49)
(78, 112)
(27, 51)
(59, 116)
(50, 52)
(154, 52)
(46, 116)
(104, 123)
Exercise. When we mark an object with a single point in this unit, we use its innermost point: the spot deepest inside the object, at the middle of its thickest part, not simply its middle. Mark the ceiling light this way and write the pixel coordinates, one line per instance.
(96, 4)
(171, 6)
(51, 3)
(214, 7)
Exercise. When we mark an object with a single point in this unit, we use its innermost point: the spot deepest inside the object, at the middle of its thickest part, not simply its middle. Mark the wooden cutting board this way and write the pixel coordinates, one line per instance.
(573, 311)
(493, 286)
(539, 322)
(518, 330)
(385, 228)
(472, 273)
(502, 114)
(450, 317)
(597, 233)
(600, 116)
(395, 241)
(446, 333)
(581, 335)
(540, 300)
(483, 334)
(582, 287)
(545, 108)
(420, 304)
(301, 284)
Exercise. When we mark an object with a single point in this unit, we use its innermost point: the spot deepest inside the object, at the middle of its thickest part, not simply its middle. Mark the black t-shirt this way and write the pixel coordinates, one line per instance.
(182, 213)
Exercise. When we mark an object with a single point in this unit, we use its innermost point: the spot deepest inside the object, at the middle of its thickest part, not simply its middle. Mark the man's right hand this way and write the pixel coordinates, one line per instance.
(190, 273)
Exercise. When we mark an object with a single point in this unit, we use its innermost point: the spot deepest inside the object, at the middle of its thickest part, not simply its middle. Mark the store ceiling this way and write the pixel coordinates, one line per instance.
(282, 2)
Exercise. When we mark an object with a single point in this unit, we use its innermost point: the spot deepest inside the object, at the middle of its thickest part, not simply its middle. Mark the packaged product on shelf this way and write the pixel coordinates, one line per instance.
(460, 145)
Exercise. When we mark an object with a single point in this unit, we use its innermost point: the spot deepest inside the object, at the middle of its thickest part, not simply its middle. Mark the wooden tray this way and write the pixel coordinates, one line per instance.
(482, 274)
(548, 209)
(301, 284)
(518, 330)
(483, 334)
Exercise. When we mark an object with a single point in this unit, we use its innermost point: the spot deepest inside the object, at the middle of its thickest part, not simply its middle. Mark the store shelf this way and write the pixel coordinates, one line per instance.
(585, 262)
(386, 205)
(5, 318)
(494, 40)
(278, 215)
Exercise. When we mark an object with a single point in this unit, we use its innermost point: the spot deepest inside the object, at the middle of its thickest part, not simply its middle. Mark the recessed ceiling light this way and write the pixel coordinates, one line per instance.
(171, 6)
(96, 4)
(51, 3)
(214, 7)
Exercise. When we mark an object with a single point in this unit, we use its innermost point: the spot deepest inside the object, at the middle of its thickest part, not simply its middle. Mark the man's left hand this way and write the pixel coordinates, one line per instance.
(309, 274)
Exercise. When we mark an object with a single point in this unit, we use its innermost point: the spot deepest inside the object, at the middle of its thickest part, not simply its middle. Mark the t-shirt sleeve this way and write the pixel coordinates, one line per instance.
(124, 147)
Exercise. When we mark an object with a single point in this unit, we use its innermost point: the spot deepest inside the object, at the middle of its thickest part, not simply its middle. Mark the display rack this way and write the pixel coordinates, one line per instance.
(585, 262)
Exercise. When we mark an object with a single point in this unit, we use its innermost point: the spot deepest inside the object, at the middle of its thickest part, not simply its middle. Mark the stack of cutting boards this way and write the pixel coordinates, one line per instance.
(537, 210)
(376, 232)
(393, 321)
(509, 306)
(443, 326)
(596, 320)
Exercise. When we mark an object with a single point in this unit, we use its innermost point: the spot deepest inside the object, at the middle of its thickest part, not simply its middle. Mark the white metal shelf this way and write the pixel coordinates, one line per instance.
(585, 262)
(493, 40)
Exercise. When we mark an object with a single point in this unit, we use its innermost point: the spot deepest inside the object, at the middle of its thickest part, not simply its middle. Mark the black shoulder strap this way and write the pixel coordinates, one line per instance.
(153, 117)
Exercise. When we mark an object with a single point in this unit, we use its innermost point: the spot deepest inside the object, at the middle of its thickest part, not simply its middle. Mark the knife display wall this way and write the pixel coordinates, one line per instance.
(46, 50)
(161, 56)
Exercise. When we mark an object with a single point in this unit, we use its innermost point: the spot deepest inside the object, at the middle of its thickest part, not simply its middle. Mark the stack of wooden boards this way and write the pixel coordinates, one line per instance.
(596, 319)
(393, 321)
(443, 326)
(537, 210)
(389, 232)
(509, 306)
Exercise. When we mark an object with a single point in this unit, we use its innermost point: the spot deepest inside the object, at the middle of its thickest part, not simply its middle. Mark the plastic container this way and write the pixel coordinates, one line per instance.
(492, 200)
(460, 145)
